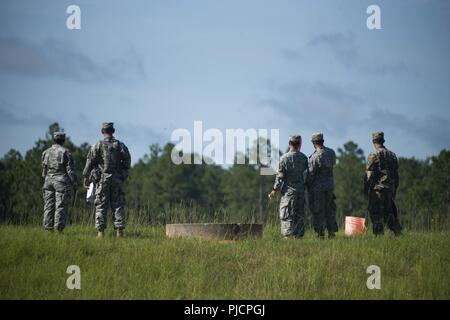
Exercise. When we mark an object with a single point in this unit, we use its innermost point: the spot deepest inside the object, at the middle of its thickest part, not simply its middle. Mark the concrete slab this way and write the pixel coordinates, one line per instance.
(214, 231)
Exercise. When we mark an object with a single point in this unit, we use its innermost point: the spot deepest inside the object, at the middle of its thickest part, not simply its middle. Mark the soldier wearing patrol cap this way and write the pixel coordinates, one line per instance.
(110, 160)
(320, 183)
(58, 171)
(380, 186)
(290, 182)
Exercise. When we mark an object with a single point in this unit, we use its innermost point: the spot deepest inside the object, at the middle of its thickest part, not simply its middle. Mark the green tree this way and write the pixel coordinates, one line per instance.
(241, 188)
(158, 191)
(349, 173)
(21, 196)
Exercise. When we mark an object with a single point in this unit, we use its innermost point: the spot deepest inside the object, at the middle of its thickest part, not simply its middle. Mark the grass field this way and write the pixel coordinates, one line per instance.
(146, 265)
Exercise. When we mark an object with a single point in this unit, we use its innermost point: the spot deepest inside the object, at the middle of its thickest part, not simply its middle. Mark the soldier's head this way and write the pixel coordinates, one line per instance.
(378, 138)
(295, 141)
(59, 137)
(317, 139)
(108, 129)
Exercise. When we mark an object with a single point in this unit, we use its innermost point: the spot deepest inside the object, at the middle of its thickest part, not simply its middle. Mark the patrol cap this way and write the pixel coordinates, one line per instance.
(59, 135)
(318, 136)
(108, 126)
(378, 135)
(295, 138)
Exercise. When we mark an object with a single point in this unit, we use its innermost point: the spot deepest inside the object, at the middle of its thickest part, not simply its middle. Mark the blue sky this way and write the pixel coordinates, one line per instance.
(298, 66)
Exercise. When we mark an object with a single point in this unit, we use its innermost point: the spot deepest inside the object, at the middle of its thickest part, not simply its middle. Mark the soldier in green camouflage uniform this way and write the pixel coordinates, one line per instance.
(290, 181)
(58, 171)
(320, 184)
(108, 163)
(380, 186)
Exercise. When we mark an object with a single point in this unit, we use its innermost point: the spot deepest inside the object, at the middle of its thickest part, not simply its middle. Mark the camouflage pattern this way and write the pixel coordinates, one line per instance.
(380, 185)
(320, 184)
(107, 165)
(295, 139)
(59, 135)
(378, 135)
(290, 181)
(58, 171)
(107, 125)
(317, 137)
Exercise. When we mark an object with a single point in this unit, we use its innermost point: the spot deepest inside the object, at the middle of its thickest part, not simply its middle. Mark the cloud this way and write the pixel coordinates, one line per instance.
(345, 49)
(430, 129)
(339, 110)
(343, 46)
(394, 68)
(8, 118)
(315, 106)
(341, 113)
(25, 126)
(292, 55)
(322, 89)
(60, 59)
(138, 138)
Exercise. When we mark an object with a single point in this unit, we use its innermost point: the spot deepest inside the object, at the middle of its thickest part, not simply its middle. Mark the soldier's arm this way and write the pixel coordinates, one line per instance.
(90, 163)
(313, 164)
(88, 166)
(44, 164)
(306, 172)
(280, 176)
(368, 178)
(70, 168)
(126, 160)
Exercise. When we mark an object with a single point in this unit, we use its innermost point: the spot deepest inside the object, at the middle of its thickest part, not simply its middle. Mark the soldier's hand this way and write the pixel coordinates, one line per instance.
(272, 194)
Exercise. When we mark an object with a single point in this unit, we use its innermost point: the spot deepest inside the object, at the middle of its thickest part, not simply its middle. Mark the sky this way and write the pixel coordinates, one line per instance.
(152, 67)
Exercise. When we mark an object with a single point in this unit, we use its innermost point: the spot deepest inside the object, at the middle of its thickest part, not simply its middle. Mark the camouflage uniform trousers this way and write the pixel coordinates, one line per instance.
(382, 211)
(57, 194)
(292, 213)
(323, 209)
(109, 193)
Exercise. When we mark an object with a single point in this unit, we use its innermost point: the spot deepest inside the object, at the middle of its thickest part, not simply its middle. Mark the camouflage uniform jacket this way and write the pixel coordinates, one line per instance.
(382, 171)
(107, 158)
(320, 169)
(57, 163)
(291, 170)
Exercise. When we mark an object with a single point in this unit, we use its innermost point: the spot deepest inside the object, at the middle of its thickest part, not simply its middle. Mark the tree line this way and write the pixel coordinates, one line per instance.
(159, 192)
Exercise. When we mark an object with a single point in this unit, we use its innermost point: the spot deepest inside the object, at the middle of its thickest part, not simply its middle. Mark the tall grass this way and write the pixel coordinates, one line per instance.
(423, 220)
(147, 265)
(83, 214)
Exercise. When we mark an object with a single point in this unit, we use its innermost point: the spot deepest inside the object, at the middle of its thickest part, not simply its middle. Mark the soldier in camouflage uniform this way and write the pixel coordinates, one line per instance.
(290, 181)
(58, 171)
(108, 163)
(320, 184)
(380, 186)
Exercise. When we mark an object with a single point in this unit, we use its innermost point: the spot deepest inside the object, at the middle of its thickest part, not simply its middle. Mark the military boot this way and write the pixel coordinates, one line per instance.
(398, 233)
(100, 234)
(119, 233)
(59, 229)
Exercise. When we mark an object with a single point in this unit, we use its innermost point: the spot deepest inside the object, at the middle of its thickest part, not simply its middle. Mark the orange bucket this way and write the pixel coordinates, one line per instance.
(354, 225)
